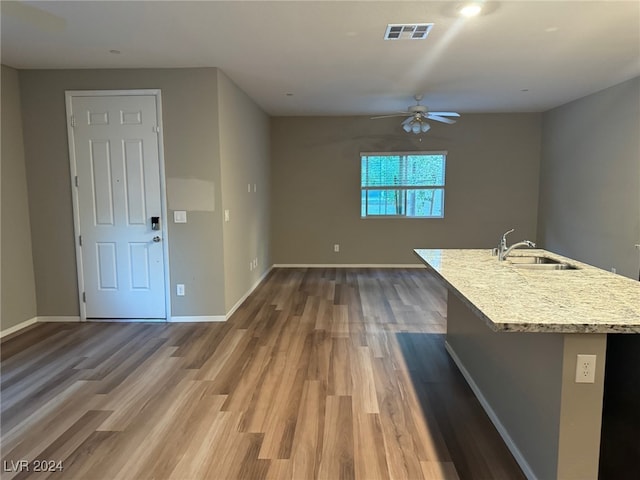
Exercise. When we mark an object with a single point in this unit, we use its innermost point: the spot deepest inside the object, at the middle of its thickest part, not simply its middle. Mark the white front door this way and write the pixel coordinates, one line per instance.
(114, 143)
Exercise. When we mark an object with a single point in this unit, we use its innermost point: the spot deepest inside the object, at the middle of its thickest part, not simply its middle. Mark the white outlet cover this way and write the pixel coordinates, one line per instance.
(180, 289)
(586, 369)
(226, 215)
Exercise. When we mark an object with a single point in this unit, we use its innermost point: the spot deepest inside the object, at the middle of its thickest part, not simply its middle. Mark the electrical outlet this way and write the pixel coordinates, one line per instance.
(180, 290)
(251, 266)
(586, 369)
(336, 247)
(255, 262)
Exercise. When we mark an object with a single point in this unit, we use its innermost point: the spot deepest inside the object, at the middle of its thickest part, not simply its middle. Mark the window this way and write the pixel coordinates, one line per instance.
(402, 184)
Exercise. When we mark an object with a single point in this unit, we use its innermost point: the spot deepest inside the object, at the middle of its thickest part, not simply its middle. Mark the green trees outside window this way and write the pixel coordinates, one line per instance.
(402, 184)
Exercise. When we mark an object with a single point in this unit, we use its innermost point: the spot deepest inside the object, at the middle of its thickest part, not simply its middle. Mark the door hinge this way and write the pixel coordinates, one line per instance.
(73, 121)
(80, 240)
(156, 129)
(76, 180)
(84, 297)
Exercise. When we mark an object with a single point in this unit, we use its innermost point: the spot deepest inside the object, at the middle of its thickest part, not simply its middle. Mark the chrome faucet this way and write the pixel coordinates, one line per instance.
(503, 250)
(502, 246)
(524, 243)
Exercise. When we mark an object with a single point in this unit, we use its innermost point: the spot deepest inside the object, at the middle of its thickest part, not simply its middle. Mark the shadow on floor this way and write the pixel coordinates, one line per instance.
(460, 428)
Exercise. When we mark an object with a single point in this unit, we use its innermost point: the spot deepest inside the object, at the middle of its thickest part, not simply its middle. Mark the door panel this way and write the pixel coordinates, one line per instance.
(135, 188)
(116, 157)
(107, 266)
(101, 182)
(139, 259)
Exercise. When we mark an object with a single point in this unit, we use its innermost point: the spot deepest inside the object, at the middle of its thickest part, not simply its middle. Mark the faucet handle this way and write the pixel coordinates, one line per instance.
(530, 244)
(504, 235)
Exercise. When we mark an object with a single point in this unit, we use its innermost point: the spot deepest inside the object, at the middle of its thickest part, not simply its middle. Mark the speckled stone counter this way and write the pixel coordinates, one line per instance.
(511, 299)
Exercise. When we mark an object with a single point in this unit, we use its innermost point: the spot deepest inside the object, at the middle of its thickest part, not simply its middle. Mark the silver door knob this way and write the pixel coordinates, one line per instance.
(156, 239)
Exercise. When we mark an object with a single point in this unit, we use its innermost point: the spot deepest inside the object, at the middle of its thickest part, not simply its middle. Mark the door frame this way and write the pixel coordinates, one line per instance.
(69, 94)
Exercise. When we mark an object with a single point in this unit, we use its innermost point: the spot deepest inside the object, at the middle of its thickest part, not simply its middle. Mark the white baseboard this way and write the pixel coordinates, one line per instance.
(249, 292)
(58, 319)
(197, 319)
(222, 318)
(18, 327)
(126, 320)
(517, 454)
(349, 265)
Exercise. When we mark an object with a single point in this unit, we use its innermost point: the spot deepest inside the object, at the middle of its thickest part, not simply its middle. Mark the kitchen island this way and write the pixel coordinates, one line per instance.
(515, 332)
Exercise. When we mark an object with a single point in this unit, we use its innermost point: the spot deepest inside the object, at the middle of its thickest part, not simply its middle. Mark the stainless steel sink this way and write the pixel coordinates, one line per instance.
(539, 263)
(545, 266)
(533, 260)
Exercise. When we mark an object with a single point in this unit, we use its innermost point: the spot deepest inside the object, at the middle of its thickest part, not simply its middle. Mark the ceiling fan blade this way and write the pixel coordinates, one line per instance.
(403, 114)
(437, 118)
(445, 114)
(408, 120)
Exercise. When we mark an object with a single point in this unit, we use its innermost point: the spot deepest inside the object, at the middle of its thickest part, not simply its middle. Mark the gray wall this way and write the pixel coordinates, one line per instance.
(590, 179)
(244, 156)
(18, 293)
(491, 186)
(192, 164)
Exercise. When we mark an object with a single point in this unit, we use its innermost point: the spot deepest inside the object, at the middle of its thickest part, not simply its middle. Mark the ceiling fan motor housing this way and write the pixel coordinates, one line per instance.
(417, 117)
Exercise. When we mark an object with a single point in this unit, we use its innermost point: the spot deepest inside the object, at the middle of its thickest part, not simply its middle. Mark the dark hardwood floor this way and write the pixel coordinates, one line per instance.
(322, 373)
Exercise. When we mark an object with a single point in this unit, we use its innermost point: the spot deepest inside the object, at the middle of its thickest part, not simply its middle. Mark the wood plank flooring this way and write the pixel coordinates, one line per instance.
(321, 374)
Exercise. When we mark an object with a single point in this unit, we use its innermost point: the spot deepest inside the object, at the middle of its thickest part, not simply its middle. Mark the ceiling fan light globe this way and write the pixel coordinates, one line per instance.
(416, 128)
(406, 127)
(425, 127)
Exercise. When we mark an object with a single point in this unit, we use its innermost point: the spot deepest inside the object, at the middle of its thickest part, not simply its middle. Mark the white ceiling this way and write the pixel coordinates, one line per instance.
(331, 54)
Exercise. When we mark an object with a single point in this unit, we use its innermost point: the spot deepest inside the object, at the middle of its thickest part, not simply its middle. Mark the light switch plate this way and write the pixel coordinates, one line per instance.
(226, 215)
(179, 216)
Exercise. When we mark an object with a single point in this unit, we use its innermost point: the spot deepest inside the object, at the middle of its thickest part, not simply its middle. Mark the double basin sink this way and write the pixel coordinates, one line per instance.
(536, 262)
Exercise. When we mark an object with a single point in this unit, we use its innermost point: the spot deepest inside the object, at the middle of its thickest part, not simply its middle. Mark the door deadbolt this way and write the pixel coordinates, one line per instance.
(155, 223)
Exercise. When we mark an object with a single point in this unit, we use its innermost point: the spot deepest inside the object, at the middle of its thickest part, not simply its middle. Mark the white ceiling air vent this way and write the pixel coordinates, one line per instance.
(407, 31)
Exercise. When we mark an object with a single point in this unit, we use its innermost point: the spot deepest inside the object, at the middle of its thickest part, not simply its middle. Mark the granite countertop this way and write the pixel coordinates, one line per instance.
(510, 299)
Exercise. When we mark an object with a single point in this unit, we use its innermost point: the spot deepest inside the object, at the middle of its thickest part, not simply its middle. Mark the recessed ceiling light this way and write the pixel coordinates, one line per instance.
(551, 29)
(471, 10)
(115, 52)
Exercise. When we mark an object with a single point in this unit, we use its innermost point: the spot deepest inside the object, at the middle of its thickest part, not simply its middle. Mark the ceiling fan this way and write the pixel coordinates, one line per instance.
(417, 116)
